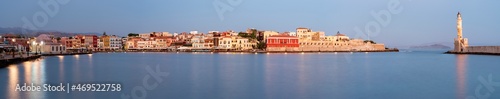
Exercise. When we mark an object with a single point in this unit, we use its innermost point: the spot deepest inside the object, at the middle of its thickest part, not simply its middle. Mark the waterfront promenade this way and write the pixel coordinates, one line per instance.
(6, 60)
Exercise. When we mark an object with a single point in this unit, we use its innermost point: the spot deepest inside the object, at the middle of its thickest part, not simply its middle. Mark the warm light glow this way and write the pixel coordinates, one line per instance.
(77, 57)
(13, 79)
(461, 75)
(61, 57)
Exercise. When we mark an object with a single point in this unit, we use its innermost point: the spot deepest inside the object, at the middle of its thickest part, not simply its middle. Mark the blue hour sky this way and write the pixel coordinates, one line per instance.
(419, 21)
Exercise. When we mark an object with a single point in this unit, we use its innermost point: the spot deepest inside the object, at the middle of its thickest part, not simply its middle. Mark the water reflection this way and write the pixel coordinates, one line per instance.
(13, 80)
(302, 76)
(27, 72)
(461, 77)
(77, 57)
(61, 68)
(268, 68)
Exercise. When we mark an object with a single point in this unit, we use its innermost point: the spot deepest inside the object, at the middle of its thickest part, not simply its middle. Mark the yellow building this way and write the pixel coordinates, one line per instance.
(106, 41)
(269, 33)
(306, 34)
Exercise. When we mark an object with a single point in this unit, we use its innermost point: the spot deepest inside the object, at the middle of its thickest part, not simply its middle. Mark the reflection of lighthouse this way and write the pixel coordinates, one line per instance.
(460, 42)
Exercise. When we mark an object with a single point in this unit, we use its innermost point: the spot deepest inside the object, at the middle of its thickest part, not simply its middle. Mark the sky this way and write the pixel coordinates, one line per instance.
(417, 22)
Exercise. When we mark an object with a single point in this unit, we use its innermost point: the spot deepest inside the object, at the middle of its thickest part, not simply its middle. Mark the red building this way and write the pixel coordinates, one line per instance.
(283, 41)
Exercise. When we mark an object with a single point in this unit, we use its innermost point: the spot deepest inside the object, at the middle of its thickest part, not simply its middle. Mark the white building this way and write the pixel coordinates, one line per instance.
(100, 43)
(193, 32)
(115, 43)
(292, 33)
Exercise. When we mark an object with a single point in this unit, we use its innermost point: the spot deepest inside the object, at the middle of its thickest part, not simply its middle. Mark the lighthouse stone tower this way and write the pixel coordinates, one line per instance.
(460, 42)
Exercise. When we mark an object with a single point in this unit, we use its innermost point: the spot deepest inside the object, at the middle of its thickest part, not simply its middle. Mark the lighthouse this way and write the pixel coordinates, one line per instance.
(460, 42)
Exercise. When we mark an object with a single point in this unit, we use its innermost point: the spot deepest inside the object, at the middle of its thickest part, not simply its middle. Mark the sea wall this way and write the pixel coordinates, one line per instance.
(483, 49)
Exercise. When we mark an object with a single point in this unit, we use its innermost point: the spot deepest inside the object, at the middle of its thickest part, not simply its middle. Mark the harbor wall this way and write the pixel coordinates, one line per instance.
(483, 49)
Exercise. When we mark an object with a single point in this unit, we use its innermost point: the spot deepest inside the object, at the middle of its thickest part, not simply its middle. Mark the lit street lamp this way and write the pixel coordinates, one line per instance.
(41, 47)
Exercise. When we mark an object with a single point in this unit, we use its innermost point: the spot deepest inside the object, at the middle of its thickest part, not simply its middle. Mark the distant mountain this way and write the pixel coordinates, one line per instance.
(33, 33)
(433, 46)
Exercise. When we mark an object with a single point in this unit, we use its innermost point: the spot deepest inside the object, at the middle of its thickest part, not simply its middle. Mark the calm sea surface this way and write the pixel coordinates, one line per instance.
(402, 75)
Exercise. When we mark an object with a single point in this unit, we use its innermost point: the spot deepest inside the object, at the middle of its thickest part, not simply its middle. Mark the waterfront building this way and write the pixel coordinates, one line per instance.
(307, 34)
(225, 42)
(163, 42)
(146, 44)
(132, 43)
(52, 48)
(115, 42)
(90, 42)
(198, 42)
(208, 43)
(317, 41)
(282, 43)
(240, 43)
(105, 39)
(100, 44)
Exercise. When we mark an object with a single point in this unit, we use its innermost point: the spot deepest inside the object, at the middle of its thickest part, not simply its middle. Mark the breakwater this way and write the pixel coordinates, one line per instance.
(479, 50)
